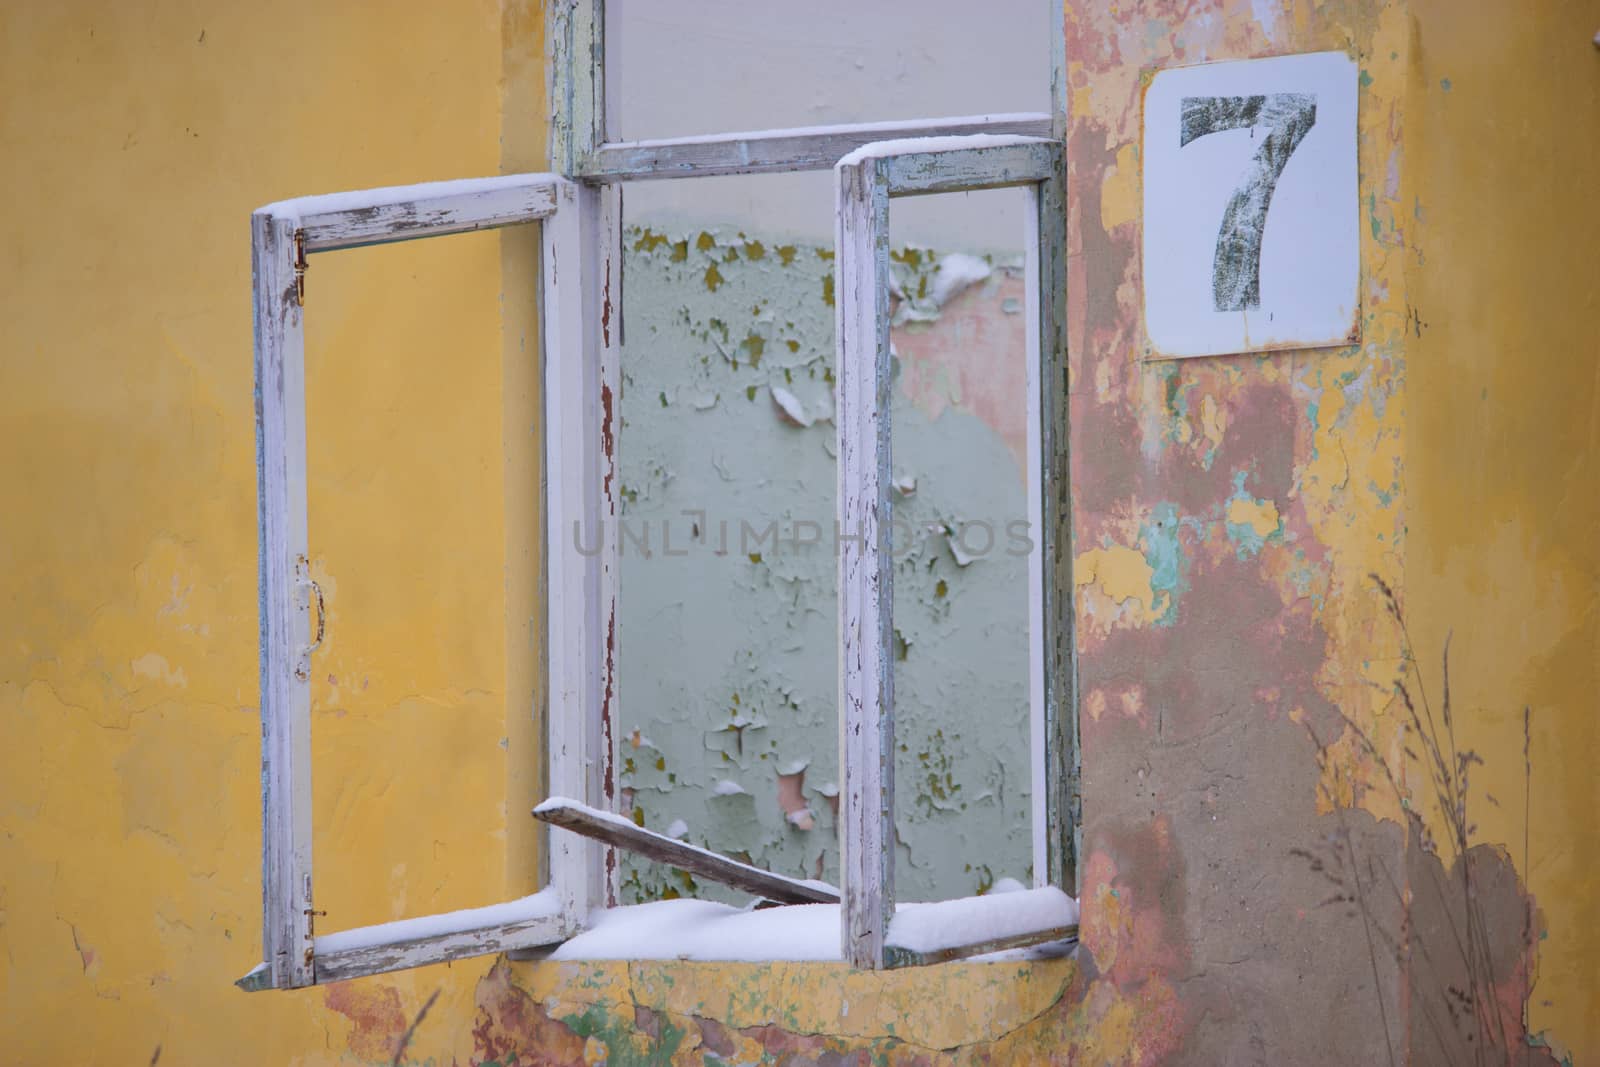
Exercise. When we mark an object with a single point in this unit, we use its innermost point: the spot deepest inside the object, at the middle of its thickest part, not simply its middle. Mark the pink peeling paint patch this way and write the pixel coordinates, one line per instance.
(791, 798)
(86, 954)
(975, 360)
(376, 1016)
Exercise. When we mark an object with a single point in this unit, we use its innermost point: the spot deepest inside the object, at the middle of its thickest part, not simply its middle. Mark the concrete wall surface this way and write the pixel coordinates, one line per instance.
(1310, 836)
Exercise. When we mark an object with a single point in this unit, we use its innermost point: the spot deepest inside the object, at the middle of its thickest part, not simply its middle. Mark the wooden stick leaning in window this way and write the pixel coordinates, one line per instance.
(1067, 936)
(618, 831)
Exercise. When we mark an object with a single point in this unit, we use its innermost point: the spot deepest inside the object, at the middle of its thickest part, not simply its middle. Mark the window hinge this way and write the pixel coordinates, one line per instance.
(300, 267)
(311, 933)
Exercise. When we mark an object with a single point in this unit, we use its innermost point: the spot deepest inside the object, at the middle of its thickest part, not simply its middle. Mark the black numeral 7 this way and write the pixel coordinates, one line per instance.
(1236, 271)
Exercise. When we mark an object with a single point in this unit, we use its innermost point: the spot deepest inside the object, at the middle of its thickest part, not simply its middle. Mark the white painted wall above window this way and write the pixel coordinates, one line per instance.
(709, 66)
(712, 66)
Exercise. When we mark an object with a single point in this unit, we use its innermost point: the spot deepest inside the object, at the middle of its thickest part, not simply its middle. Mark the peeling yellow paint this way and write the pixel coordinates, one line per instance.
(1094, 703)
(154, 666)
(1213, 421)
(1121, 577)
(938, 1007)
(1261, 516)
(1119, 192)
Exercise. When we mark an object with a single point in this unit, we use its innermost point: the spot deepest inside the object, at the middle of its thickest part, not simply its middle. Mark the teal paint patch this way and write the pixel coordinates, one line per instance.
(1163, 551)
(1246, 539)
(1174, 409)
(1177, 400)
(1309, 581)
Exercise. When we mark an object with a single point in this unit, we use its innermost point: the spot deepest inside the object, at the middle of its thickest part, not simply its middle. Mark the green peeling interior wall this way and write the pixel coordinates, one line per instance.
(1264, 874)
(728, 480)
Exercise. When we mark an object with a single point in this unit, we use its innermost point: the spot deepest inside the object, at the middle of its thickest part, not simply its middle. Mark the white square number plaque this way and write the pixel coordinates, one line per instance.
(1251, 208)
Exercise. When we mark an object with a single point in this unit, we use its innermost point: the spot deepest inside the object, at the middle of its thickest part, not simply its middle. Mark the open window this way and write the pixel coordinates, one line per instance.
(284, 235)
(580, 215)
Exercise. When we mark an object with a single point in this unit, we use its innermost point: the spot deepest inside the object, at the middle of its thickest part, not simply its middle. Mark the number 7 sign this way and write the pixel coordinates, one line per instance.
(1251, 208)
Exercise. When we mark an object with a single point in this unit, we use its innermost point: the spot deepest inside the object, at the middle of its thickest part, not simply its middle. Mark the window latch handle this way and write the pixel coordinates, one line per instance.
(314, 598)
(322, 614)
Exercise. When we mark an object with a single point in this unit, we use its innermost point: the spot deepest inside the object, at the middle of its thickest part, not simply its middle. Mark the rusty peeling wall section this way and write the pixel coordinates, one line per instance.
(726, 538)
(1249, 762)
(1228, 512)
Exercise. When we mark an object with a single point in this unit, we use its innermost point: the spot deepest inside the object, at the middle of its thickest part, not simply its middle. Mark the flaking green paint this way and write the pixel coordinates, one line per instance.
(621, 1038)
(758, 696)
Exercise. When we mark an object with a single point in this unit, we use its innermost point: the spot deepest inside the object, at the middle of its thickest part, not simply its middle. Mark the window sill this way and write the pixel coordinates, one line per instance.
(705, 930)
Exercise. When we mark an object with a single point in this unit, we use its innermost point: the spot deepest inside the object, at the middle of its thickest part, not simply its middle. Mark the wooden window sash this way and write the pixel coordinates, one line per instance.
(578, 358)
(780, 151)
(867, 179)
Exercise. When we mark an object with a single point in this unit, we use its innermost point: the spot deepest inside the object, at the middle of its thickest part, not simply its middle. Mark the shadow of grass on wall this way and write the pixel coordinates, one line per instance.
(1468, 931)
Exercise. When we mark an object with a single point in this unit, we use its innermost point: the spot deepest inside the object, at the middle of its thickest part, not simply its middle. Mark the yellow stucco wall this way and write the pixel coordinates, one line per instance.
(135, 144)
(1503, 446)
(136, 141)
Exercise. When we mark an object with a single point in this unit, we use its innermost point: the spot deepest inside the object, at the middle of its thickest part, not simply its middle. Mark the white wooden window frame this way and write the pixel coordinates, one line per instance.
(579, 365)
(867, 180)
(581, 216)
(967, 158)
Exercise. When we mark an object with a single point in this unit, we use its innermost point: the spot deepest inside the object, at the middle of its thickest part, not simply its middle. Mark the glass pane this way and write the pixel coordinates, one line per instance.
(715, 66)
(963, 785)
(726, 631)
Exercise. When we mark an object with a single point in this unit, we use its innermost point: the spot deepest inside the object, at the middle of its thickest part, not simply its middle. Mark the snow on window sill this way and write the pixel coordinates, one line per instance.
(706, 930)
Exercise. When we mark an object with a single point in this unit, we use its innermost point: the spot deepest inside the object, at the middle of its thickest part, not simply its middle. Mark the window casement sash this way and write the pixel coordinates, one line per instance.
(575, 359)
(581, 500)
(583, 414)
(867, 179)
